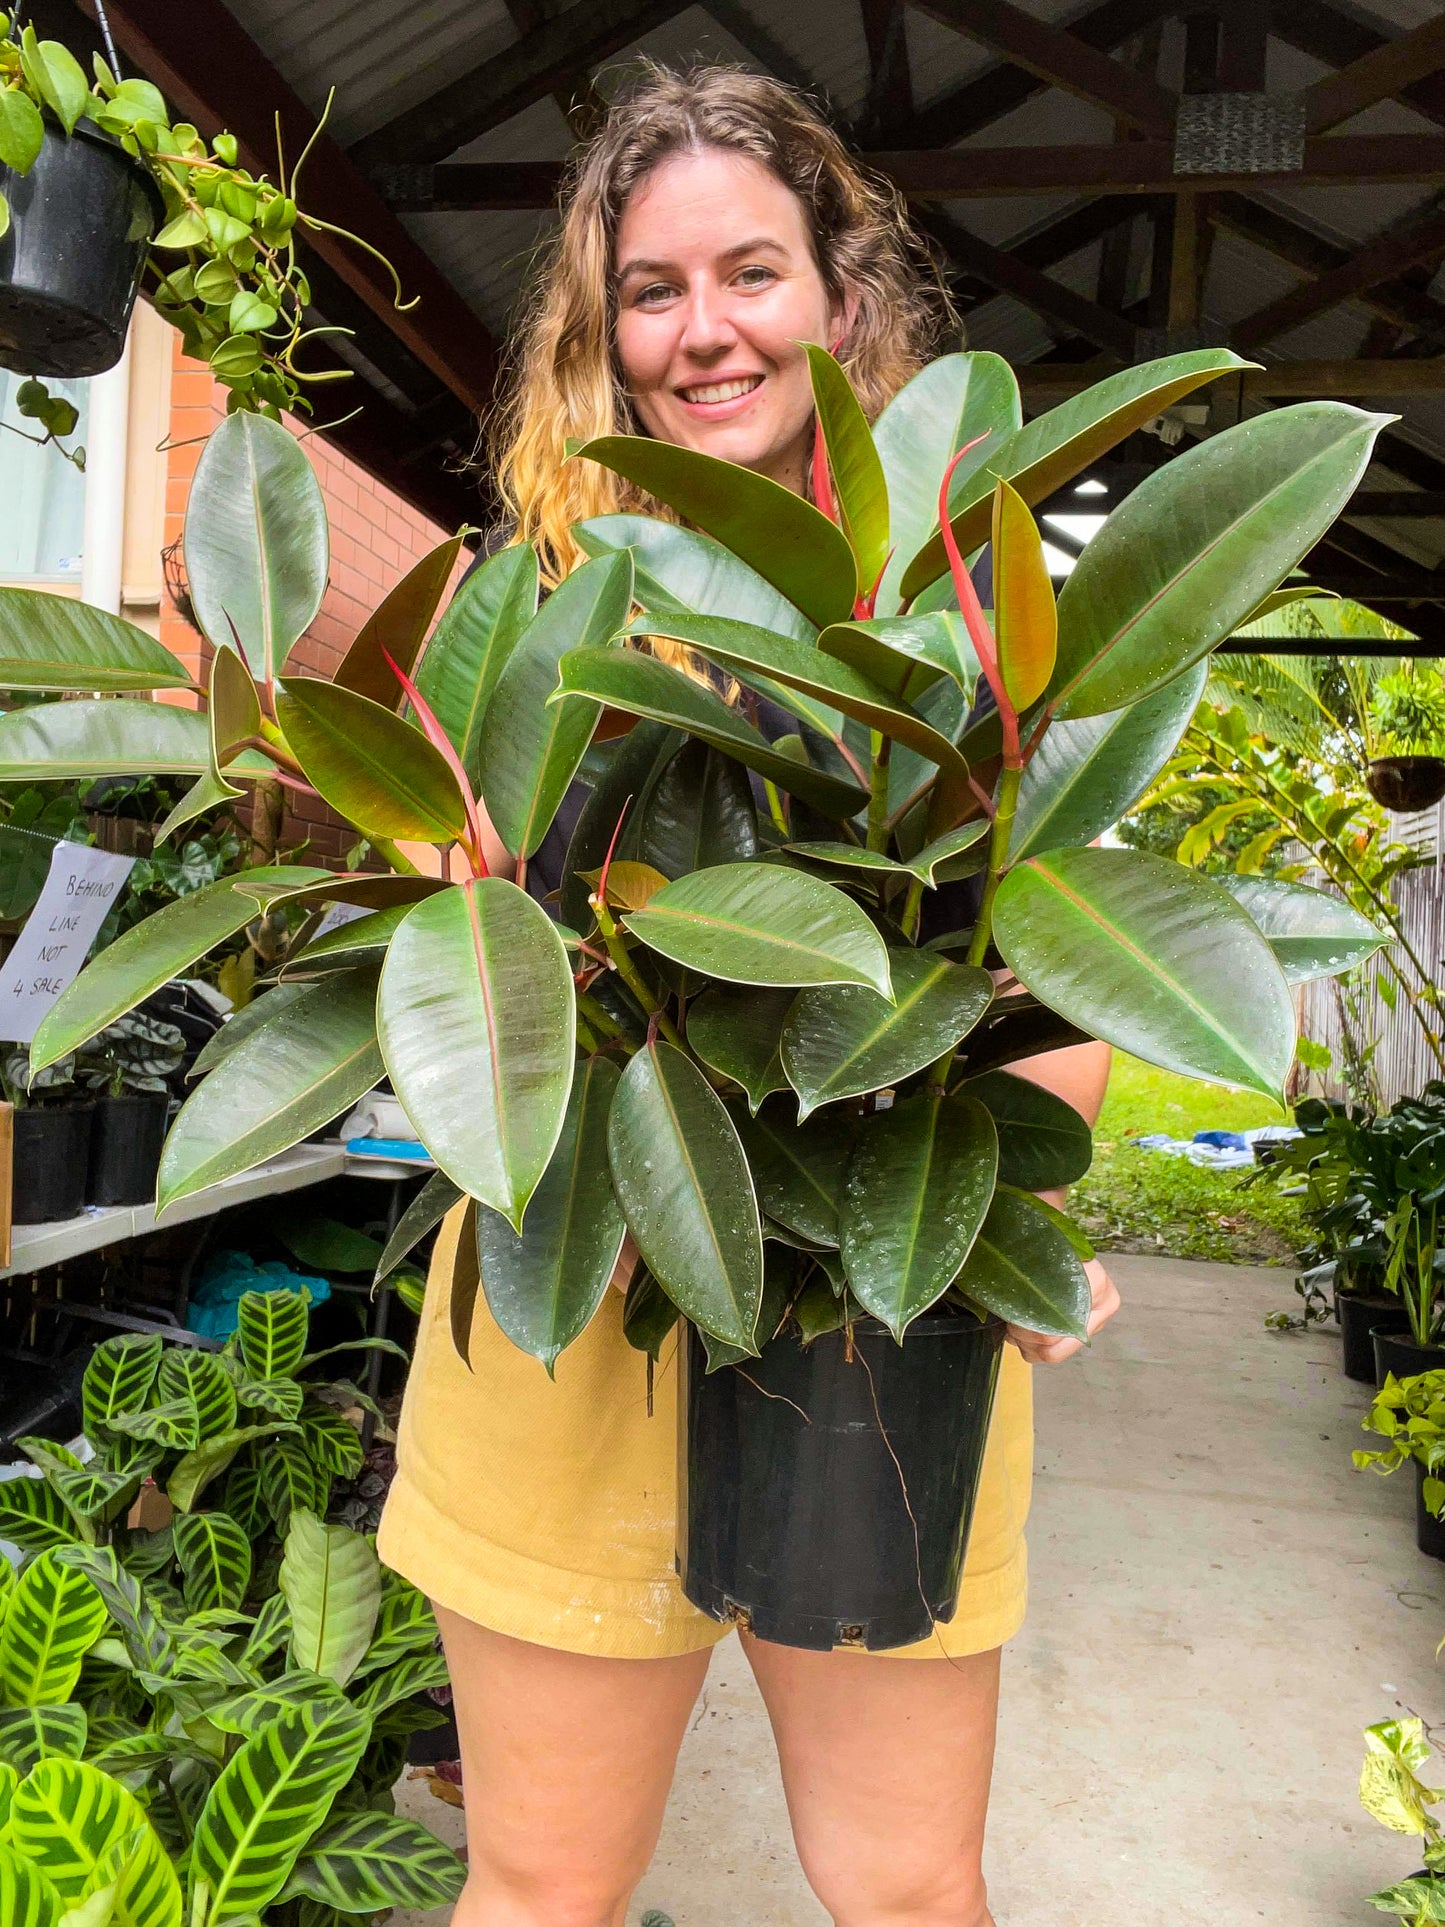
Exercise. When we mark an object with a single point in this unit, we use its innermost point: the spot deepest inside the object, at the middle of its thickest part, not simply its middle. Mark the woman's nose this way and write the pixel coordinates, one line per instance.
(707, 327)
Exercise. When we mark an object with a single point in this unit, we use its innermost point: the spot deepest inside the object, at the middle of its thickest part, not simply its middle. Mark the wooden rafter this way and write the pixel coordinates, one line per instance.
(556, 55)
(1377, 75)
(1061, 59)
(1004, 271)
(1382, 260)
(1339, 39)
(890, 87)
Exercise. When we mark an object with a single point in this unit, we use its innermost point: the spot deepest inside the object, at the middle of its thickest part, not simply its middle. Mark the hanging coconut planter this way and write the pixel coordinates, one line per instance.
(1406, 784)
(81, 219)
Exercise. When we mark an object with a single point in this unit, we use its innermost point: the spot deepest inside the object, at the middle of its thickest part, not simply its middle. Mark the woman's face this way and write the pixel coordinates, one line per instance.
(716, 287)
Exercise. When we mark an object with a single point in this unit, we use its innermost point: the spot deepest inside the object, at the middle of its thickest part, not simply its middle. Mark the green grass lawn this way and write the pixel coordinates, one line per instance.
(1134, 1200)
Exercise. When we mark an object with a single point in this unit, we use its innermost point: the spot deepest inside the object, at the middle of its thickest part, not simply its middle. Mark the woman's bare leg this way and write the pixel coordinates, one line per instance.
(887, 1764)
(566, 1765)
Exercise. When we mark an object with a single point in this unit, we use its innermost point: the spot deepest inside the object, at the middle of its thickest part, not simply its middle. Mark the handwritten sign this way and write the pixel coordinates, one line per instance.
(47, 955)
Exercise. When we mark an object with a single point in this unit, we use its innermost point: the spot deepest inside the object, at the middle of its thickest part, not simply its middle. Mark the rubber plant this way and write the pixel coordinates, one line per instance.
(192, 1732)
(763, 1016)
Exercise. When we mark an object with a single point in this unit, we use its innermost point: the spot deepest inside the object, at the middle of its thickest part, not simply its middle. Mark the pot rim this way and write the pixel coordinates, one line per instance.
(86, 130)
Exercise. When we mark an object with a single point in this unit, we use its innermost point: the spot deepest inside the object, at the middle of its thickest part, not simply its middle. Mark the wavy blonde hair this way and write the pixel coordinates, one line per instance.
(565, 381)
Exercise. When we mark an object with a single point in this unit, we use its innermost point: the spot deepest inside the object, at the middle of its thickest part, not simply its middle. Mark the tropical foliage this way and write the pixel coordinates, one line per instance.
(202, 1723)
(1392, 1792)
(757, 1024)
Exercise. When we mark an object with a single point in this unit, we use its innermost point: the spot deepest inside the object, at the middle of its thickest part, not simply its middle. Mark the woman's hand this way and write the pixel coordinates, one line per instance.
(1039, 1349)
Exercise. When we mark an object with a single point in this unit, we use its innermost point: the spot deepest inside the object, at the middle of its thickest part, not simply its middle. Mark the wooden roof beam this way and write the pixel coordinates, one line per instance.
(556, 55)
(1414, 242)
(1007, 273)
(199, 56)
(1339, 39)
(1380, 74)
(1061, 59)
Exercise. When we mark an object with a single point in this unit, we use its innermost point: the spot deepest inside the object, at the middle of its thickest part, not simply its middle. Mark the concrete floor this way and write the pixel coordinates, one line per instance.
(1219, 1605)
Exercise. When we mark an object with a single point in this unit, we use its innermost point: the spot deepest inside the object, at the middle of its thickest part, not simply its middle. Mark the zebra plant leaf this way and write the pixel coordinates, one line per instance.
(66, 1818)
(361, 1862)
(416, 1673)
(118, 1379)
(272, 1329)
(331, 1580)
(405, 1624)
(265, 1806)
(292, 1482)
(52, 1620)
(147, 1643)
(33, 1517)
(215, 1559)
(175, 1425)
(29, 1734)
(196, 1470)
(201, 1378)
(27, 1896)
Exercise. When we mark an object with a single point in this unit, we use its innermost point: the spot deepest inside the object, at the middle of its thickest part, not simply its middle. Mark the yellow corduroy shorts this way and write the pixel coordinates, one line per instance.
(546, 1509)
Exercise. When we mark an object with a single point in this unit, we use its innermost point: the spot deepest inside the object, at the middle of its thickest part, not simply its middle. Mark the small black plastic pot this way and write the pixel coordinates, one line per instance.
(71, 261)
(1360, 1317)
(52, 1154)
(1397, 1352)
(826, 1501)
(1405, 784)
(126, 1136)
(1429, 1531)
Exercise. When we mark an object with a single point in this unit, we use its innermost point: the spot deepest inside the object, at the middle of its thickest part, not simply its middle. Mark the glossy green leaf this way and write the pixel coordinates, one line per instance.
(54, 642)
(210, 1459)
(255, 541)
(785, 539)
(27, 1897)
(648, 1315)
(798, 1168)
(1151, 957)
(1024, 1270)
(365, 891)
(360, 940)
(937, 862)
(1084, 776)
(643, 686)
(56, 75)
(1186, 557)
(479, 629)
(271, 1327)
(699, 812)
(215, 1559)
(373, 768)
(22, 131)
(32, 1516)
(397, 627)
(64, 741)
(544, 1286)
(947, 404)
(858, 480)
(268, 1802)
(846, 1039)
(331, 1580)
(618, 796)
(917, 1187)
(1043, 1143)
(148, 1645)
(308, 1065)
(736, 1030)
(29, 1734)
(149, 954)
(683, 1183)
(360, 1862)
(478, 1029)
(1311, 933)
(680, 569)
(172, 1424)
(905, 654)
(118, 1378)
(1056, 446)
(52, 1619)
(801, 666)
(65, 1818)
(425, 1212)
(754, 923)
(530, 746)
(201, 1378)
(464, 1284)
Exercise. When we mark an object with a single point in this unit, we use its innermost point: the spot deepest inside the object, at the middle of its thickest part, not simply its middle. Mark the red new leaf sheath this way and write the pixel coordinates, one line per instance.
(974, 619)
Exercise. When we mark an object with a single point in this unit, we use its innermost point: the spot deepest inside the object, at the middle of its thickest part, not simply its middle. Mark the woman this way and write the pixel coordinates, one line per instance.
(712, 226)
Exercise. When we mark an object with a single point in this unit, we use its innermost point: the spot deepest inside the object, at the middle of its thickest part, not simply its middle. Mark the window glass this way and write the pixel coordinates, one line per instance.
(42, 495)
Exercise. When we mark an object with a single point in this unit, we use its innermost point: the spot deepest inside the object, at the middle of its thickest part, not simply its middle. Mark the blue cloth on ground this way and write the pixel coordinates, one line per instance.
(225, 1275)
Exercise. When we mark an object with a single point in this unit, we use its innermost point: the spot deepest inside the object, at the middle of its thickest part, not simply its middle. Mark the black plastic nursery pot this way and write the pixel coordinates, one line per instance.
(126, 1136)
(1360, 1318)
(1397, 1352)
(52, 1155)
(825, 1500)
(71, 261)
(1429, 1531)
(1406, 783)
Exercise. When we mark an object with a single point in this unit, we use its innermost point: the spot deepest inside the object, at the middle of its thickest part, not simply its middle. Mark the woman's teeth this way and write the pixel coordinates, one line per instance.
(722, 390)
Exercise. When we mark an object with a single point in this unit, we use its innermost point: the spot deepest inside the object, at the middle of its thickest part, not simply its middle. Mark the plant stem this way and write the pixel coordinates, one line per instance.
(601, 1022)
(912, 908)
(627, 970)
(1003, 824)
(384, 847)
(775, 806)
(882, 747)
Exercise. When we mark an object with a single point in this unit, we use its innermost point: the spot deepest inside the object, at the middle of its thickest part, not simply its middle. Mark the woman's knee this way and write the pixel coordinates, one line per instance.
(543, 1897)
(889, 1889)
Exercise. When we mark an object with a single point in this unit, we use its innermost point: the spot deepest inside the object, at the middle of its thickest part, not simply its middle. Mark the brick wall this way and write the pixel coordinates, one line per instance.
(375, 538)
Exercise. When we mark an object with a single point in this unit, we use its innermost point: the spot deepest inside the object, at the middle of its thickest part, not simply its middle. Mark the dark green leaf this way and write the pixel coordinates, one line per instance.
(737, 1031)
(698, 812)
(681, 569)
(1311, 933)
(858, 482)
(798, 1168)
(425, 1212)
(377, 771)
(1023, 1269)
(479, 629)
(55, 642)
(1043, 1143)
(397, 627)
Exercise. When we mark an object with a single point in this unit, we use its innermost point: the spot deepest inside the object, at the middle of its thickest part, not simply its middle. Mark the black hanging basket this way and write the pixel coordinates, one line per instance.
(71, 261)
(1405, 784)
(792, 1514)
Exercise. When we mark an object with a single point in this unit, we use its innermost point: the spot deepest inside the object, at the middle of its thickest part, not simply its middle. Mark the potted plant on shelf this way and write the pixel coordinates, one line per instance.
(1408, 714)
(50, 1137)
(766, 1039)
(99, 187)
(129, 1065)
(1410, 1413)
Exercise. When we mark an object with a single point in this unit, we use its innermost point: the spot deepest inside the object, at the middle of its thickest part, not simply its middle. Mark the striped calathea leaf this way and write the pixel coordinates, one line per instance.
(858, 815)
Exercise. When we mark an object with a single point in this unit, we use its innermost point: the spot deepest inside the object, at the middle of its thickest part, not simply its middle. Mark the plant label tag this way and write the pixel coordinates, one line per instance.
(57, 935)
(336, 916)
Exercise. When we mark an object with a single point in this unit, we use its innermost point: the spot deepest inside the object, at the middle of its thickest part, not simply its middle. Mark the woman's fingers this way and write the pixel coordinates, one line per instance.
(1040, 1349)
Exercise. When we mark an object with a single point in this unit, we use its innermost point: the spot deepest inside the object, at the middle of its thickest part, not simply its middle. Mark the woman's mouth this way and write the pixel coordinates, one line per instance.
(717, 398)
